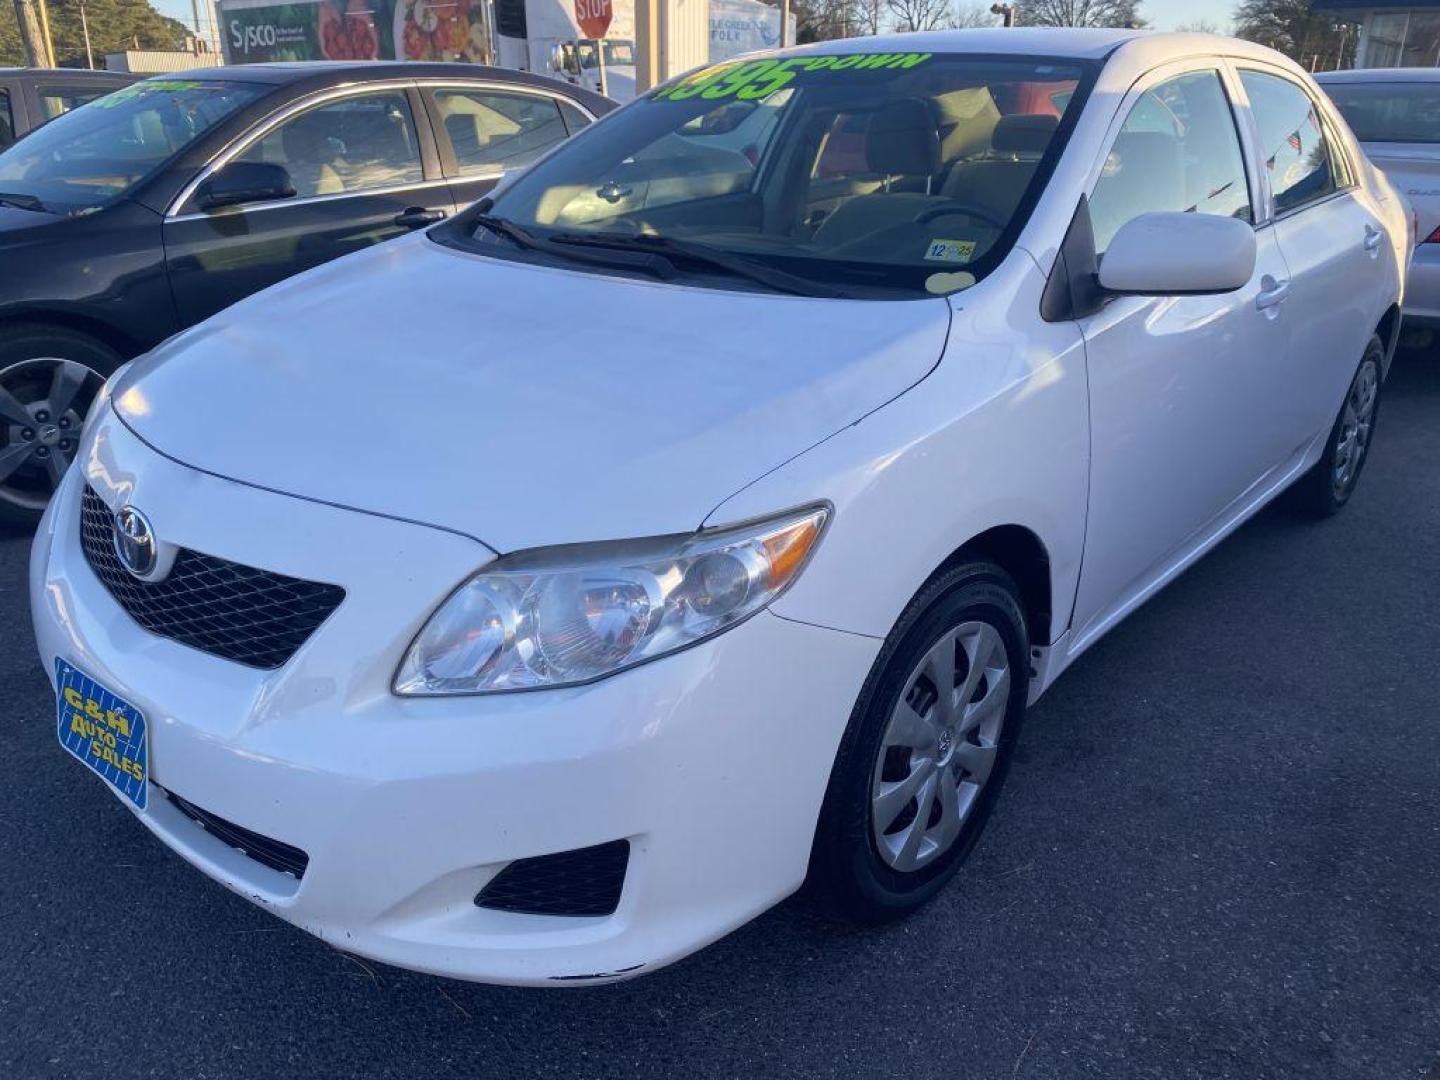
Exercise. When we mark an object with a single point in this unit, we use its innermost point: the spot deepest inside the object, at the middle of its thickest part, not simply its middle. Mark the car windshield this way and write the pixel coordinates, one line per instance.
(87, 157)
(867, 174)
(1389, 111)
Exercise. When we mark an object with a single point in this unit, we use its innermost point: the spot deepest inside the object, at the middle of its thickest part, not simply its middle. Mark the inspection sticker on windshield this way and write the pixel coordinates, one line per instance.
(950, 250)
(103, 730)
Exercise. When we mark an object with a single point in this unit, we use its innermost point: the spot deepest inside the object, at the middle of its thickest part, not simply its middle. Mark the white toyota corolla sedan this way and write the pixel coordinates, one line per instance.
(538, 599)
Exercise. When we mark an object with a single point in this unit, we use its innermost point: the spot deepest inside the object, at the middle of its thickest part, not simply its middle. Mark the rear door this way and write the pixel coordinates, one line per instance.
(1332, 242)
(484, 131)
(364, 168)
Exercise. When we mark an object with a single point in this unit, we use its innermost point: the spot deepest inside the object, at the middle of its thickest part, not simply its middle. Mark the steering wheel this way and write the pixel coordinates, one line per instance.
(970, 210)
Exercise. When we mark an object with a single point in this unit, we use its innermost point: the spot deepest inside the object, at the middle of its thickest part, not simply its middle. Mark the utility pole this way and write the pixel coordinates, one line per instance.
(785, 41)
(85, 29)
(45, 29)
(32, 34)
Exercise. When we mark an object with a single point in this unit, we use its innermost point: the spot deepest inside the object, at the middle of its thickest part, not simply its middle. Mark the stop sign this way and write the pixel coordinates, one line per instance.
(593, 17)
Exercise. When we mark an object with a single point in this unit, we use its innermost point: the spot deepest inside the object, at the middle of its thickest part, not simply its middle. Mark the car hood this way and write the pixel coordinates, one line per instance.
(518, 404)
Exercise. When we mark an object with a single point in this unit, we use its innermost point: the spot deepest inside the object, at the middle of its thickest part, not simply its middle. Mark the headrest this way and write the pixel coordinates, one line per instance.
(1024, 133)
(306, 139)
(903, 140)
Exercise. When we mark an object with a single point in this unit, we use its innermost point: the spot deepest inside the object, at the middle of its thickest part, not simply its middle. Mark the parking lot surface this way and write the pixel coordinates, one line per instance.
(1218, 856)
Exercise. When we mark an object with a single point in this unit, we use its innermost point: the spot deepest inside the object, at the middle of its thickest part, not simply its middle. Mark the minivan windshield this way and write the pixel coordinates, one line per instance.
(87, 157)
(865, 174)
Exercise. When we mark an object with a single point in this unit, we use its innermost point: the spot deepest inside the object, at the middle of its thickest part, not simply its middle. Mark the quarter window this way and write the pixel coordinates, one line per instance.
(493, 132)
(7, 125)
(355, 144)
(1178, 151)
(1293, 149)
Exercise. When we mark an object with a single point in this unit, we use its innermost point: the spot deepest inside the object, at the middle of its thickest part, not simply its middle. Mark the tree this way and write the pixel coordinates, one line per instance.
(965, 16)
(918, 14)
(1315, 39)
(1079, 13)
(1200, 26)
(115, 25)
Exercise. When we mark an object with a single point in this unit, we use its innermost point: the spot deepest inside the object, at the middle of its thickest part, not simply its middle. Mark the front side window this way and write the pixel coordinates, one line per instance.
(871, 173)
(1389, 111)
(1177, 151)
(493, 131)
(98, 152)
(1292, 148)
(350, 145)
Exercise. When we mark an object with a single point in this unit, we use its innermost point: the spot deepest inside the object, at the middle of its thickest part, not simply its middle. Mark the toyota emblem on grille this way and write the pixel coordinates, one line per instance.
(135, 542)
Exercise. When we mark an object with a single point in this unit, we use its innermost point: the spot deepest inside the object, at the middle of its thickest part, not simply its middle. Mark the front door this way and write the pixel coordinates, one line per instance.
(357, 163)
(1181, 387)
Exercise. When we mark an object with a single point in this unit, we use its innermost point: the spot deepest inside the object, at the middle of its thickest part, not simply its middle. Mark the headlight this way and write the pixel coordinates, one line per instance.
(562, 616)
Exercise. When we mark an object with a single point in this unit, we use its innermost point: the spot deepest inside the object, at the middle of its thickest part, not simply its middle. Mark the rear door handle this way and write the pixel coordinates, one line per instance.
(1372, 239)
(1271, 293)
(412, 217)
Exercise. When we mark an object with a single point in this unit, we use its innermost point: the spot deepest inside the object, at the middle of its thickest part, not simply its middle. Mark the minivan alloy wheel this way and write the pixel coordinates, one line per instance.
(43, 402)
(940, 745)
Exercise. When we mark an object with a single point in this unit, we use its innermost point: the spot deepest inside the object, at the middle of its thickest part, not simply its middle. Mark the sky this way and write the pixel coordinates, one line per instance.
(1161, 14)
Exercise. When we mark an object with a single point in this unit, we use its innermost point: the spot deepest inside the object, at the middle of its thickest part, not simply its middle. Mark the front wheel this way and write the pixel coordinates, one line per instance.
(1327, 487)
(48, 378)
(925, 754)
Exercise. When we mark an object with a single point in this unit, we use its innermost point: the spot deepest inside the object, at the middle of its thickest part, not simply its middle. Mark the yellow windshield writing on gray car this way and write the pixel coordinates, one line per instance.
(752, 80)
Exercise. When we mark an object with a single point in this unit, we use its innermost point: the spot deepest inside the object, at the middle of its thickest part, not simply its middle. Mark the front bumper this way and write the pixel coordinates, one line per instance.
(712, 763)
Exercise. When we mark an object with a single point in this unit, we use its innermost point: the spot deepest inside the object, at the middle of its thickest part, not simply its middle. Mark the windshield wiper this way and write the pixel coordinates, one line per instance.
(22, 202)
(648, 261)
(712, 257)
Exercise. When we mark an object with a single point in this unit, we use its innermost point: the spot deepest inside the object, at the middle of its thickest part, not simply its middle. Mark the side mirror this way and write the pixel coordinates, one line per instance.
(245, 182)
(1175, 254)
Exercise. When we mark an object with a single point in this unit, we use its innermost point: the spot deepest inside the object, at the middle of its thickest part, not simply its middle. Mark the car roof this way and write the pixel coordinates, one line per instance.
(1365, 75)
(1089, 44)
(64, 73)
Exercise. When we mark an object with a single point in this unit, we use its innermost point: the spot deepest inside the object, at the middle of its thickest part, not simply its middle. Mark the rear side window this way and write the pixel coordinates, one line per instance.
(492, 131)
(55, 100)
(1293, 148)
(7, 121)
(1390, 112)
(1178, 152)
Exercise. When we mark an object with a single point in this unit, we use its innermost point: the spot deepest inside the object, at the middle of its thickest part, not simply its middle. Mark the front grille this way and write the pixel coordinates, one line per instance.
(254, 617)
(586, 881)
(275, 854)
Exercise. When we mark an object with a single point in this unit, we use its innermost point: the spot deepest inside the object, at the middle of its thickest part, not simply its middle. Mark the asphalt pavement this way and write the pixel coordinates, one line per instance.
(1218, 856)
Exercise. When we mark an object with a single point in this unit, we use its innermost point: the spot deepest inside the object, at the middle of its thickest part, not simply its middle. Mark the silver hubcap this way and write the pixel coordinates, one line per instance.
(1356, 422)
(42, 409)
(939, 746)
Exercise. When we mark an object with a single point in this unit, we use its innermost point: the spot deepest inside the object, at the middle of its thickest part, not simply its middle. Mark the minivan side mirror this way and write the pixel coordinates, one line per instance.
(245, 182)
(1179, 254)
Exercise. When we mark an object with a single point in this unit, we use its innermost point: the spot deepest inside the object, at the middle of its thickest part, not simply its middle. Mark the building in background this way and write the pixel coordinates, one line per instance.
(159, 61)
(1390, 35)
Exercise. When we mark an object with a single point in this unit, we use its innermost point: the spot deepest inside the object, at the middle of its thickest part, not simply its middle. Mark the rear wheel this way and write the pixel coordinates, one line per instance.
(926, 751)
(48, 378)
(1329, 484)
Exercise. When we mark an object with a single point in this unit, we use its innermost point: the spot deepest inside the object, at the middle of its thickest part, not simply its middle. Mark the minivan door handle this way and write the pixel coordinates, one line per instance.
(1372, 239)
(1271, 293)
(412, 217)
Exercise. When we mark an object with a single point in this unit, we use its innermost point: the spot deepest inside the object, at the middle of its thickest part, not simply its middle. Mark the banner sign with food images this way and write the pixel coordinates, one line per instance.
(255, 31)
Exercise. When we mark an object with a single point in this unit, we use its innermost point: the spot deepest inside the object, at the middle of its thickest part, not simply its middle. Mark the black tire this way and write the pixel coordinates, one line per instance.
(847, 867)
(1325, 489)
(33, 451)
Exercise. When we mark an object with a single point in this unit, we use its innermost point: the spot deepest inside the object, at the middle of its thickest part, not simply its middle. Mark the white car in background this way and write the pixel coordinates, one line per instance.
(1395, 113)
(540, 598)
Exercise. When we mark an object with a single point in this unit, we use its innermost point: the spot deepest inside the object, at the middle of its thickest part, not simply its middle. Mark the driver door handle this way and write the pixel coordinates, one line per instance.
(412, 217)
(1271, 293)
(1372, 239)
